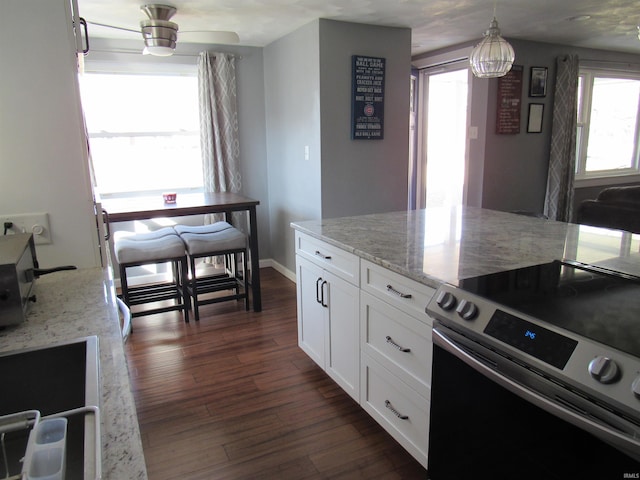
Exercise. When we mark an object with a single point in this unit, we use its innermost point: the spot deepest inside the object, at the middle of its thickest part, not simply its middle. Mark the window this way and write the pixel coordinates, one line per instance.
(143, 132)
(608, 124)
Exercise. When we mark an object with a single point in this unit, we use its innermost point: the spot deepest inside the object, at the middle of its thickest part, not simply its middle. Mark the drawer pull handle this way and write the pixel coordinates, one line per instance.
(322, 255)
(402, 349)
(387, 404)
(400, 294)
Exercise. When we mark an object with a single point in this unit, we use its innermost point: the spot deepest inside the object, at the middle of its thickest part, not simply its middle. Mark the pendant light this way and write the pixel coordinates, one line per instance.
(493, 56)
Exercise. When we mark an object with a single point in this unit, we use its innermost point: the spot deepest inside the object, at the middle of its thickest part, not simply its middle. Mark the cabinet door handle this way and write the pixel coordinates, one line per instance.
(387, 404)
(322, 255)
(400, 294)
(402, 349)
(322, 294)
(83, 22)
(105, 220)
(318, 287)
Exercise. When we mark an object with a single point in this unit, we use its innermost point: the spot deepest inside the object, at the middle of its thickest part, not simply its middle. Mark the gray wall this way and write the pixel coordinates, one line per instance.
(515, 175)
(292, 97)
(308, 102)
(363, 176)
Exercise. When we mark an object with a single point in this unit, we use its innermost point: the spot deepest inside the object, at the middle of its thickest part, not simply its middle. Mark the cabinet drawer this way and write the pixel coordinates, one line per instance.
(398, 408)
(333, 259)
(398, 341)
(406, 294)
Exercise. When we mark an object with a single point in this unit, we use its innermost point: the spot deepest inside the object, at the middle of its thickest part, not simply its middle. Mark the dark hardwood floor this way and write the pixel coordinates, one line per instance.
(233, 397)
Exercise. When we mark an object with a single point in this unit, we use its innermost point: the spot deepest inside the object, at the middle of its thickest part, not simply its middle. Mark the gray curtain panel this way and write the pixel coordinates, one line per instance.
(219, 122)
(559, 197)
(218, 108)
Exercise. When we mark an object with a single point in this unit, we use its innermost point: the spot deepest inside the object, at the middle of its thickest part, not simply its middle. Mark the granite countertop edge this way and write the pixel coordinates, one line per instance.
(420, 277)
(76, 304)
(439, 245)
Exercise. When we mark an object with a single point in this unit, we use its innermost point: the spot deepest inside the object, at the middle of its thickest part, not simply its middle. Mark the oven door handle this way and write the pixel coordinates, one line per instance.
(605, 432)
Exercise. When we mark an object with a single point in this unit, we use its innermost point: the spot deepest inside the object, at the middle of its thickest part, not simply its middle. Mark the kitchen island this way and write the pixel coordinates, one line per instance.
(363, 284)
(76, 304)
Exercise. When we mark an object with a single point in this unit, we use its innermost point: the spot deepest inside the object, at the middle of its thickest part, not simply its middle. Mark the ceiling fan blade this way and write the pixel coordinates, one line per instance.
(213, 36)
(113, 26)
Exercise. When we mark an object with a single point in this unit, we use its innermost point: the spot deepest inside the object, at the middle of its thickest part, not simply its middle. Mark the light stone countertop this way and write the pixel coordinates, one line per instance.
(80, 303)
(436, 245)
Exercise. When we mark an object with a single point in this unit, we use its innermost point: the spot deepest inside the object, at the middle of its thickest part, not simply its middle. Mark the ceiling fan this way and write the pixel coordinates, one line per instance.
(160, 34)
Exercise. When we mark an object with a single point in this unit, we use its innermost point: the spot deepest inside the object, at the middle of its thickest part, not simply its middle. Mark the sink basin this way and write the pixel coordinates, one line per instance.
(54, 379)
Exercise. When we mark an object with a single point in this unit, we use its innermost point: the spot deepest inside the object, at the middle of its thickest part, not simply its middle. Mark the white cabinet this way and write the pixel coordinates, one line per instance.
(367, 328)
(397, 352)
(329, 309)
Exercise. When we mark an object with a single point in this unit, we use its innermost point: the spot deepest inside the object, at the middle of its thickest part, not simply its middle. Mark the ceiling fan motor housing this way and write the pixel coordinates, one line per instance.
(158, 31)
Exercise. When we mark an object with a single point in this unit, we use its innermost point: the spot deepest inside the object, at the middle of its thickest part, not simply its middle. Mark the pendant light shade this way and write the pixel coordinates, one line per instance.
(493, 56)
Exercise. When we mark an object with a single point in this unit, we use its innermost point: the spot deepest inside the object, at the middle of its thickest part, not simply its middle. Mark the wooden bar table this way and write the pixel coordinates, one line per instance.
(144, 208)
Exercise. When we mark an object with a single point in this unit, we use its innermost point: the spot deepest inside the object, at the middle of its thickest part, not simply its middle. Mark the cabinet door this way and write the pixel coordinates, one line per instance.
(342, 356)
(311, 321)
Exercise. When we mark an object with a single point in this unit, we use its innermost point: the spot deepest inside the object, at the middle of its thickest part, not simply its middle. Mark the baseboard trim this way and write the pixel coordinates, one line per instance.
(278, 267)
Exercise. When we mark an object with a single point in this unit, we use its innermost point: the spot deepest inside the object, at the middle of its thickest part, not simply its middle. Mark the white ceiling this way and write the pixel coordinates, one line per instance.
(612, 24)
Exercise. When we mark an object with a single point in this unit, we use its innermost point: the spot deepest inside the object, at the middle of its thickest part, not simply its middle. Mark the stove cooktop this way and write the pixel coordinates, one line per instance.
(598, 304)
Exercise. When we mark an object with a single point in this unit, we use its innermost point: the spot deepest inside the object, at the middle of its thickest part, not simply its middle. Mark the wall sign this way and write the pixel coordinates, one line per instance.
(367, 98)
(509, 101)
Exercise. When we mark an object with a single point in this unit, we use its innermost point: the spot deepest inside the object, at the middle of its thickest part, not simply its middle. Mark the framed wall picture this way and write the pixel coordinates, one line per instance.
(538, 82)
(536, 111)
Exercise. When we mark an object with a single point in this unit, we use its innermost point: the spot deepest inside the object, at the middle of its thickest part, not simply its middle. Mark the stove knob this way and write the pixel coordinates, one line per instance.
(446, 300)
(635, 387)
(603, 369)
(467, 310)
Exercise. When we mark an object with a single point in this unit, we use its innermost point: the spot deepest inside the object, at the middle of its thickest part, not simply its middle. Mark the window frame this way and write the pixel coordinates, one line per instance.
(587, 74)
(184, 72)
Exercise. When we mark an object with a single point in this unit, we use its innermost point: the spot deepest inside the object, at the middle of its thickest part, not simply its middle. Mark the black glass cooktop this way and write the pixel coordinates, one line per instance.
(598, 304)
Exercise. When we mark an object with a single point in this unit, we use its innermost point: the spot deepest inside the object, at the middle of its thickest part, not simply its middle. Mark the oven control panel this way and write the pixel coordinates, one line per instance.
(564, 355)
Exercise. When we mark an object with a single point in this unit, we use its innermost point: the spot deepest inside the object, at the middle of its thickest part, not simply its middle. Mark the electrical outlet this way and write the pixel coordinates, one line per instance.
(36, 223)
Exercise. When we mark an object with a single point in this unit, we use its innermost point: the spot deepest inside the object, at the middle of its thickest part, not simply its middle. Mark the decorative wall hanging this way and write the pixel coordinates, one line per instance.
(509, 101)
(538, 82)
(534, 125)
(367, 98)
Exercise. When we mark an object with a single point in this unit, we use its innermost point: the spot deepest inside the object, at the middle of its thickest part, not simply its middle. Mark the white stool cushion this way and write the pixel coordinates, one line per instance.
(211, 243)
(212, 228)
(136, 250)
(163, 232)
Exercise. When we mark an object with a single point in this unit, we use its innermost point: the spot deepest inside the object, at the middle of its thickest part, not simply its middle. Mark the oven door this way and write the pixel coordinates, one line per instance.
(486, 424)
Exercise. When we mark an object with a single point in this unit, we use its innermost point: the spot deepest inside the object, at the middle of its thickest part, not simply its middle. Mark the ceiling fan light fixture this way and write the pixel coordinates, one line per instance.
(493, 56)
(158, 50)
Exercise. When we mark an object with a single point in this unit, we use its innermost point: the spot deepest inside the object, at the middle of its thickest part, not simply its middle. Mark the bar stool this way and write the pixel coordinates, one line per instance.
(160, 246)
(217, 239)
